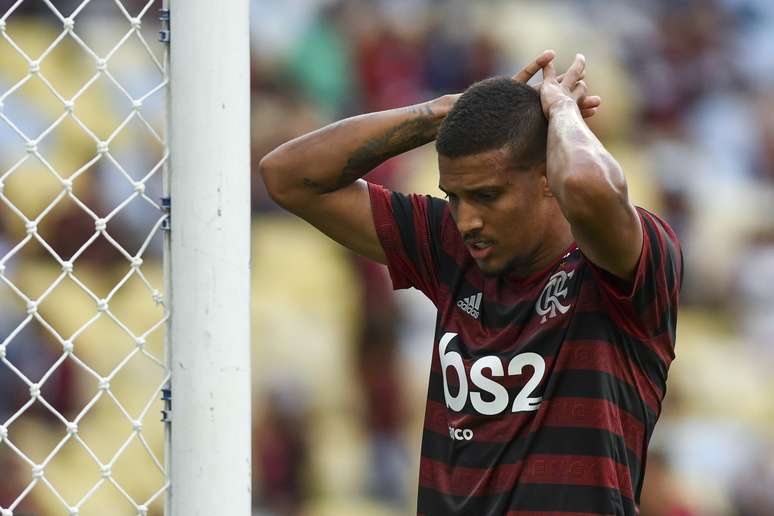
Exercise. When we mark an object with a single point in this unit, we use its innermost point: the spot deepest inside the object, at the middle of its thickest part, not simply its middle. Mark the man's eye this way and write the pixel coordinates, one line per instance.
(486, 196)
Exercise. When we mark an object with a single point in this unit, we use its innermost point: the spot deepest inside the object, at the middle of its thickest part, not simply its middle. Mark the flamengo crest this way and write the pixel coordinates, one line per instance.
(548, 302)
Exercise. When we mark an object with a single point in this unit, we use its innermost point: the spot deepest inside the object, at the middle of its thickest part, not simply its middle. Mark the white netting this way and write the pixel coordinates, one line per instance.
(82, 359)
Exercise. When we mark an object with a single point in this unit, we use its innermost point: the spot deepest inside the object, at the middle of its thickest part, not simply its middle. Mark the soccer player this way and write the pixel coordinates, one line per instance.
(557, 297)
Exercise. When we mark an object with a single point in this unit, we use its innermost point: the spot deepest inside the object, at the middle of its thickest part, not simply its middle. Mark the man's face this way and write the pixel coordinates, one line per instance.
(499, 210)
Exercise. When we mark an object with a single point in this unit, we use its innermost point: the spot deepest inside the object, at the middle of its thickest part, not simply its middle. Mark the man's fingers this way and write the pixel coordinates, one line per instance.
(589, 102)
(576, 72)
(531, 69)
(549, 72)
(579, 91)
(589, 105)
(560, 77)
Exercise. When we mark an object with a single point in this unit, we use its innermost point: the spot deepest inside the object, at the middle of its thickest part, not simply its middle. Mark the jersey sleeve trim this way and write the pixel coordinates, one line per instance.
(402, 224)
(381, 207)
(646, 306)
(618, 288)
(660, 246)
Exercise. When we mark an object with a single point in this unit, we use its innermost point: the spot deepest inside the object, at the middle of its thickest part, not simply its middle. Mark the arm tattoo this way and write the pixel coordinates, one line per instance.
(397, 140)
(314, 185)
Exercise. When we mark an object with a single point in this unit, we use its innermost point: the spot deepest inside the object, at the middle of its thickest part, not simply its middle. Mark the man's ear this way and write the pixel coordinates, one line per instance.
(543, 178)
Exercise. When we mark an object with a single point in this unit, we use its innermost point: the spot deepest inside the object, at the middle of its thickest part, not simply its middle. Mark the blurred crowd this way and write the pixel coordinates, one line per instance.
(340, 361)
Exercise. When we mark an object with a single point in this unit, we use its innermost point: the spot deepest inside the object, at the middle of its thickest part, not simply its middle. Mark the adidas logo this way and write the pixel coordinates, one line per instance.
(470, 305)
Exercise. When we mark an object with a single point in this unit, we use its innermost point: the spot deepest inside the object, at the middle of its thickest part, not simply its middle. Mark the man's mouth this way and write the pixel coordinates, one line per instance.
(480, 249)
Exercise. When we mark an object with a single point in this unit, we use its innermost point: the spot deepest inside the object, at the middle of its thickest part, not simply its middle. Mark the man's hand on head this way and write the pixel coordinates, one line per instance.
(587, 104)
(572, 79)
(566, 89)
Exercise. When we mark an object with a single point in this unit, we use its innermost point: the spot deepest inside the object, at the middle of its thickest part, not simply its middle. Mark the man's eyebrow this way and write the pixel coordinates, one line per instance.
(475, 189)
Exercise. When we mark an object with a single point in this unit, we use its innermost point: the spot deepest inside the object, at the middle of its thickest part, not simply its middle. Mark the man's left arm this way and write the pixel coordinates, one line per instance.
(587, 181)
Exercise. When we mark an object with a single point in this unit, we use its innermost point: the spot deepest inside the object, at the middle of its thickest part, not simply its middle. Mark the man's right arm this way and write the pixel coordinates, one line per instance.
(317, 176)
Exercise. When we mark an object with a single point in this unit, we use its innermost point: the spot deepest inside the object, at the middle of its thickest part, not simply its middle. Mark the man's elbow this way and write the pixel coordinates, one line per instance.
(270, 170)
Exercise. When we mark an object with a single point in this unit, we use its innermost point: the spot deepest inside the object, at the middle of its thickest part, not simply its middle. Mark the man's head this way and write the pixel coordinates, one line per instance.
(493, 114)
(492, 152)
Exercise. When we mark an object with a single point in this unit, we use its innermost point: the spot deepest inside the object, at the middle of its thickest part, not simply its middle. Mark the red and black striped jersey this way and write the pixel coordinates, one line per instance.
(543, 391)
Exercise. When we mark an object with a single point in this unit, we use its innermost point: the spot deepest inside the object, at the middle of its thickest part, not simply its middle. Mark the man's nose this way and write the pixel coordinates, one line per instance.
(468, 219)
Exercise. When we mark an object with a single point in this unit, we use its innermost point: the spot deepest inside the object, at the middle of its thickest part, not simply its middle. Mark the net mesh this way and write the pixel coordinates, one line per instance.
(82, 358)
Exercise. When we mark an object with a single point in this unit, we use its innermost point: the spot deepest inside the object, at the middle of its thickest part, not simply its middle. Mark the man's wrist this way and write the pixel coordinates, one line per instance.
(567, 105)
(441, 106)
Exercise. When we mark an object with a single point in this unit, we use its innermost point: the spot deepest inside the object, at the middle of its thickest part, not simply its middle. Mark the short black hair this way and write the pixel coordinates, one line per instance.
(492, 114)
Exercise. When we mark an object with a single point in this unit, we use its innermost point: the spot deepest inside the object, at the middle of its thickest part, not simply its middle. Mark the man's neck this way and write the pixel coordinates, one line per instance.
(557, 239)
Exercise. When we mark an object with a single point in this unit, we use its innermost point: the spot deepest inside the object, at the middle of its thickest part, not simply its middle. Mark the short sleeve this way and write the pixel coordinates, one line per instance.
(408, 227)
(647, 305)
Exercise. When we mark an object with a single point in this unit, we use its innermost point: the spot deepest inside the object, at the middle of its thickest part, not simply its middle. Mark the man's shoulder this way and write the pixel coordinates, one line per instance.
(653, 221)
(442, 235)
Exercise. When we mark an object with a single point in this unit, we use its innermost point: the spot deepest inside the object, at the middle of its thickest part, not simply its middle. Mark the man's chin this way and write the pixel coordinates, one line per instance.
(490, 268)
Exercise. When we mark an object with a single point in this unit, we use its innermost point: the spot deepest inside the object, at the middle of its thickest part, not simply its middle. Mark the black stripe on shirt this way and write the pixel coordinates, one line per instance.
(549, 440)
(403, 211)
(528, 497)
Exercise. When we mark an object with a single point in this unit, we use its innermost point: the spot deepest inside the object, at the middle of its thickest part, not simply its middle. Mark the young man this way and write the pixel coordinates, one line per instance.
(557, 298)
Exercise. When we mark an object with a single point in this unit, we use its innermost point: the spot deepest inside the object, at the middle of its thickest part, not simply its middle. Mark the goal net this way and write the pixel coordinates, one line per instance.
(82, 309)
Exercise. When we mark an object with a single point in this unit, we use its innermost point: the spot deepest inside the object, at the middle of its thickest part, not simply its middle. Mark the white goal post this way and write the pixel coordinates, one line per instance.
(210, 252)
